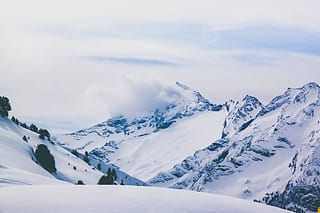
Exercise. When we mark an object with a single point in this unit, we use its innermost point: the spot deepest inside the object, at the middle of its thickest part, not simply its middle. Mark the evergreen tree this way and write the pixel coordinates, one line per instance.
(103, 180)
(109, 172)
(80, 182)
(25, 138)
(43, 133)
(33, 128)
(99, 166)
(45, 158)
(114, 174)
(86, 157)
(5, 106)
(17, 121)
(106, 180)
(75, 152)
(24, 125)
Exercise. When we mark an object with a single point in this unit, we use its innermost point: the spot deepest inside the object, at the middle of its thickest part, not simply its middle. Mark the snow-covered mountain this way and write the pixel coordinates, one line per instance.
(155, 142)
(270, 154)
(240, 148)
(26, 187)
(18, 164)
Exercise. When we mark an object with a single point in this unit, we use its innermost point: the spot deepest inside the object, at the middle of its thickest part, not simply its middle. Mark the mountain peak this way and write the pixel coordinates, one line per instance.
(182, 86)
(311, 85)
(251, 99)
(307, 94)
(241, 114)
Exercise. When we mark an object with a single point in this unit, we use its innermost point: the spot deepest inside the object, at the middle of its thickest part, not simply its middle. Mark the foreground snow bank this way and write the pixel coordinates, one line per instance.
(67, 198)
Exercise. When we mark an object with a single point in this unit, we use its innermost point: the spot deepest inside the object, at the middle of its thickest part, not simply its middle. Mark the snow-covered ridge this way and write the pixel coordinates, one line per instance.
(143, 146)
(187, 104)
(241, 148)
(274, 141)
(241, 115)
(307, 94)
(120, 199)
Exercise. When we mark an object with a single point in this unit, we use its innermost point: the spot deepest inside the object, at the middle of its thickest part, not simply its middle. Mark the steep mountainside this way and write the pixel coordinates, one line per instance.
(18, 165)
(155, 142)
(241, 148)
(267, 153)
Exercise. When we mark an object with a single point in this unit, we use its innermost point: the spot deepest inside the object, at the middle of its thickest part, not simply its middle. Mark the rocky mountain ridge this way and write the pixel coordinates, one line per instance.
(268, 153)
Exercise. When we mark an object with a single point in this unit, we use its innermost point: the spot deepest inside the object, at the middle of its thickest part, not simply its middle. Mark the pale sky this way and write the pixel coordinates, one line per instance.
(67, 65)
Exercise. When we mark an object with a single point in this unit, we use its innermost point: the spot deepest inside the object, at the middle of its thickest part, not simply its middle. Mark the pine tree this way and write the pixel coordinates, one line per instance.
(109, 172)
(5, 106)
(17, 121)
(43, 133)
(106, 180)
(86, 157)
(25, 138)
(75, 152)
(33, 128)
(45, 158)
(24, 125)
(114, 174)
(80, 182)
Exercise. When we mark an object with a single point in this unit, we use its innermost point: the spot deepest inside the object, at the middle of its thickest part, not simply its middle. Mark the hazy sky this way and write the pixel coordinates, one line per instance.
(71, 64)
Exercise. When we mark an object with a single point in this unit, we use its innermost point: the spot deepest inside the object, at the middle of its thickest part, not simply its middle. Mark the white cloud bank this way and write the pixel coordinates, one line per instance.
(70, 61)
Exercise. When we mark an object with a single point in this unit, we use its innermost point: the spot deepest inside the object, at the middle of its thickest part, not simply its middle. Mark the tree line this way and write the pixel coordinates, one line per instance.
(5, 107)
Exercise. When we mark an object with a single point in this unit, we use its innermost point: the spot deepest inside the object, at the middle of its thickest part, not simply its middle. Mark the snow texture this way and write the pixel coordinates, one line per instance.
(244, 149)
(155, 142)
(120, 199)
(274, 158)
(18, 165)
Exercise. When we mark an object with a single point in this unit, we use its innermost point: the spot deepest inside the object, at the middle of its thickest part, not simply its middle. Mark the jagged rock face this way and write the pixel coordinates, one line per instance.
(241, 115)
(308, 94)
(302, 192)
(281, 139)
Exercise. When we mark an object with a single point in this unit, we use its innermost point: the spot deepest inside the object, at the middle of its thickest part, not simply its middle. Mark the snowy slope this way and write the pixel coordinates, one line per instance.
(268, 153)
(155, 142)
(120, 199)
(18, 164)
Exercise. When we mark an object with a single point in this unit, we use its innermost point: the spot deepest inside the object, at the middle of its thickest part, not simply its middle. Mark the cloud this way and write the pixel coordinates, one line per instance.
(214, 12)
(268, 37)
(80, 62)
(130, 61)
(247, 36)
(141, 97)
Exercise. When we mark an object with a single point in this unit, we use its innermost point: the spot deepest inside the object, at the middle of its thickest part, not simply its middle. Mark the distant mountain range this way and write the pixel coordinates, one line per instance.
(268, 153)
(264, 153)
